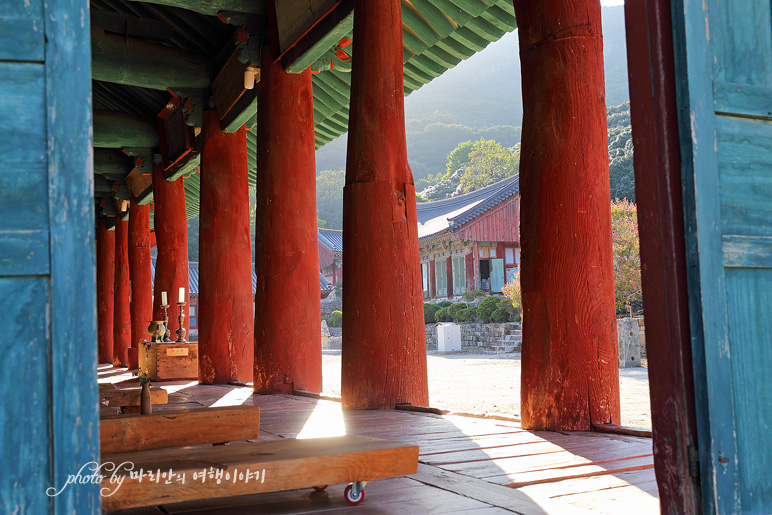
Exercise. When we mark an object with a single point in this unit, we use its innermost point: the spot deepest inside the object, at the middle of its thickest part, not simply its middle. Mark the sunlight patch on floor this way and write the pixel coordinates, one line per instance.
(326, 420)
(234, 397)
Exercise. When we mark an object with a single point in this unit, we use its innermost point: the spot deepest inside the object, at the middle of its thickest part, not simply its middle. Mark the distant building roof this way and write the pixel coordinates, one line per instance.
(324, 285)
(331, 238)
(440, 216)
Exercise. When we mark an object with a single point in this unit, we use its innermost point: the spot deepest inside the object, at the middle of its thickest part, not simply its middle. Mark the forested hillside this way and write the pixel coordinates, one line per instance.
(480, 98)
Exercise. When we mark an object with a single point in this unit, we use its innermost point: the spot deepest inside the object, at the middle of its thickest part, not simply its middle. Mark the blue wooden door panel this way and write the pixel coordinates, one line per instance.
(497, 275)
(750, 334)
(24, 421)
(725, 69)
(23, 177)
(49, 425)
(21, 26)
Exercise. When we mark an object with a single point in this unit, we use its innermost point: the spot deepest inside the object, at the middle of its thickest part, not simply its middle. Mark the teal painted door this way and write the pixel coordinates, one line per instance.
(724, 69)
(497, 275)
(48, 413)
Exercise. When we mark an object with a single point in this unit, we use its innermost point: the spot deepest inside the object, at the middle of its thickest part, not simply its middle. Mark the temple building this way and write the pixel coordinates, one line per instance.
(471, 241)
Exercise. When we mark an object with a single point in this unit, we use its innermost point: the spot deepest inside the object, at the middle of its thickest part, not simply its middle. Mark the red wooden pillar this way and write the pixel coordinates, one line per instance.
(432, 280)
(171, 229)
(105, 291)
(122, 317)
(449, 274)
(141, 277)
(384, 342)
(569, 374)
(225, 322)
(288, 351)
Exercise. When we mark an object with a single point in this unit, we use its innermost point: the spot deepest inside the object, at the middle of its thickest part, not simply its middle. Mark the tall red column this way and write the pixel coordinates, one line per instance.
(225, 337)
(122, 317)
(105, 291)
(171, 265)
(384, 343)
(141, 277)
(288, 350)
(570, 378)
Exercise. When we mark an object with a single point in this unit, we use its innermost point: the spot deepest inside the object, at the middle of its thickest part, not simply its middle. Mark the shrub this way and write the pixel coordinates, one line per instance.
(473, 294)
(443, 315)
(465, 315)
(335, 320)
(487, 307)
(444, 303)
(429, 311)
(512, 292)
(505, 313)
(455, 308)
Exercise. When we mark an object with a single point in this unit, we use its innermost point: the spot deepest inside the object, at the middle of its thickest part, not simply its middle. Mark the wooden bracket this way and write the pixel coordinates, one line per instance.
(177, 139)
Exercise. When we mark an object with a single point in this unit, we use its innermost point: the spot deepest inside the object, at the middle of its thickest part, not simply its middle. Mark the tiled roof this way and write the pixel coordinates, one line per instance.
(441, 216)
(331, 238)
(193, 278)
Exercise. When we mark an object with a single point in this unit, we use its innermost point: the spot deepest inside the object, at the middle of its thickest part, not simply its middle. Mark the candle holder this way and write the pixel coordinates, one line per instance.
(181, 319)
(168, 333)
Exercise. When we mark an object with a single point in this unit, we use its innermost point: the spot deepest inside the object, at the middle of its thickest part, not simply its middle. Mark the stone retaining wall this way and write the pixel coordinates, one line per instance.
(473, 335)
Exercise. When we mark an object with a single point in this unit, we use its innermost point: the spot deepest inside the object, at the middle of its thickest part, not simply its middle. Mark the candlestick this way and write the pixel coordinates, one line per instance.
(167, 333)
(163, 298)
(182, 295)
(181, 319)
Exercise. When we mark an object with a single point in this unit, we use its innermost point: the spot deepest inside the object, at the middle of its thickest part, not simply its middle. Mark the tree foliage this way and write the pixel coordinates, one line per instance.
(625, 244)
(489, 162)
(620, 152)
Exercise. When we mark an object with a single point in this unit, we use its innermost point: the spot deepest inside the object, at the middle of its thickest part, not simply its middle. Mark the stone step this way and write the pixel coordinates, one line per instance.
(499, 348)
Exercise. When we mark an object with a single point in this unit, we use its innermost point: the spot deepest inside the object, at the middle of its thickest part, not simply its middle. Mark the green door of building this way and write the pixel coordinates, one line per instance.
(497, 275)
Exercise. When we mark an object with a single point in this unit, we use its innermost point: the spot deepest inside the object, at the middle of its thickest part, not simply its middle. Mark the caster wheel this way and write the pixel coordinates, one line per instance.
(349, 495)
(320, 488)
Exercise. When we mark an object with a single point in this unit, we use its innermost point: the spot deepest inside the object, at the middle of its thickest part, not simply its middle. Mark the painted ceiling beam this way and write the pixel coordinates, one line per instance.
(112, 162)
(214, 7)
(116, 129)
(134, 62)
(125, 25)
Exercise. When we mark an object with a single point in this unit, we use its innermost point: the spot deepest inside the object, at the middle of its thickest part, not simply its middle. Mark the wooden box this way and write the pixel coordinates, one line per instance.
(169, 361)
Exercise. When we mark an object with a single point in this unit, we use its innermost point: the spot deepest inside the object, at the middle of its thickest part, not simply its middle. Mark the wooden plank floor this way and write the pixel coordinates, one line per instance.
(467, 465)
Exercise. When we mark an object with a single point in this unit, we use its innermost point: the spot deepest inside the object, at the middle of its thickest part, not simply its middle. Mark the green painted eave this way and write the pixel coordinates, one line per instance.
(437, 35)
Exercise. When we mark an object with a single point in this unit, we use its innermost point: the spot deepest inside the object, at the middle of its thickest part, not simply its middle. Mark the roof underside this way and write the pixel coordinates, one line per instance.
(437, 35)
(441, 216)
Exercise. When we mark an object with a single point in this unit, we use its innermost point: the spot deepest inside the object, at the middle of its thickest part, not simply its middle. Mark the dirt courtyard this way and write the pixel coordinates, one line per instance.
(487, 383)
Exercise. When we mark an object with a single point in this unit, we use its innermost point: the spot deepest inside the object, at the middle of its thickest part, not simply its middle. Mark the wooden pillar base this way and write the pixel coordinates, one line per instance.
(384, 347)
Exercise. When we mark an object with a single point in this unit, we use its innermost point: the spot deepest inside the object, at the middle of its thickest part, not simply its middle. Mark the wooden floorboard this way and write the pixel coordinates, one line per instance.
(466, 465)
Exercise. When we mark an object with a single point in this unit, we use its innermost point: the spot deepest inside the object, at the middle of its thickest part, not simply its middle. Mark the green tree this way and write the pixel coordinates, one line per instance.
(489, 162)
(458, 158)
(329, 197)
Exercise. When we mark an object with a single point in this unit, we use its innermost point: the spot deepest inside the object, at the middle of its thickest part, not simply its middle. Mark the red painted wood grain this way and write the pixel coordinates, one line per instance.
(140, 273)
(122, 317)
(225, 319)
(569, 358)
(384, 342)
(288, 351)
(105, 247)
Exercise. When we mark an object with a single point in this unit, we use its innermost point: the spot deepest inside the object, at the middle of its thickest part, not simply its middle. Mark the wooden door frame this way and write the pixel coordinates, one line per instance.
(658, 184)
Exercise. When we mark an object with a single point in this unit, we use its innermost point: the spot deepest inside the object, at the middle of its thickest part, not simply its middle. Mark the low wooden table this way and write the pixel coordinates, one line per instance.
(195, 473)
(169, 361)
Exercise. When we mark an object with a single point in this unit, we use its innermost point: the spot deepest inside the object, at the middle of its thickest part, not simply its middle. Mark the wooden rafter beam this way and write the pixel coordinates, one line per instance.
(214, 7)
(111, 162)
(322, 36)
(134, 62)
(116, 129)
(125, 25)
